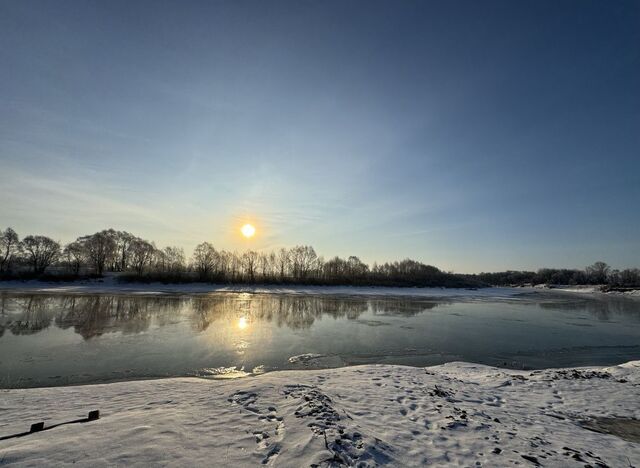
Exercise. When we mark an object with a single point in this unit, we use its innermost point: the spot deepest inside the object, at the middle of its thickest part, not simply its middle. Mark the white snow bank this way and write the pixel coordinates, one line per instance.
(577, 289)
(590, 290)
(456, 414)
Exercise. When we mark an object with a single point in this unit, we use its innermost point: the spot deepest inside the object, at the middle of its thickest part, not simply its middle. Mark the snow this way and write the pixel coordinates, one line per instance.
(305, 357)
(599, 290)
(577, 289)
(456, 414)
(112, 286)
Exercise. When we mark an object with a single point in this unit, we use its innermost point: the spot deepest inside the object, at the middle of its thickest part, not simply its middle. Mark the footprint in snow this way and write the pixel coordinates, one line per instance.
(266, 440)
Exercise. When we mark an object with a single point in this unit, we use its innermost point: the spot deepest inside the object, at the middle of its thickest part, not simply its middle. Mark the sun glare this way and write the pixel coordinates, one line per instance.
(242, 323)
(248, 230)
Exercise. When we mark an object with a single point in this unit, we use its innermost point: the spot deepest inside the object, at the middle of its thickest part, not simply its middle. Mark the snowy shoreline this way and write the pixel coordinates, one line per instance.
(453, 414)
(110, 285)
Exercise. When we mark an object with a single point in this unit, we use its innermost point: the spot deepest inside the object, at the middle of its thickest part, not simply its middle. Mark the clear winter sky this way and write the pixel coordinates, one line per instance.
(473, 135)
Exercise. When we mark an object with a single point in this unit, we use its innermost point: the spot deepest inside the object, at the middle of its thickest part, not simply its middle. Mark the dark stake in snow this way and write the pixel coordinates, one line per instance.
(39, 426)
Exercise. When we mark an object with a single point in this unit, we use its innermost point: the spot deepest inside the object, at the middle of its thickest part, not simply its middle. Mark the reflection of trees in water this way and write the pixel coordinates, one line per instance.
(3, 313)
(202, 311)
(92, 316)
(400, 307)
(602, 308)
(35, 316)
(295, 312)
(4, 305)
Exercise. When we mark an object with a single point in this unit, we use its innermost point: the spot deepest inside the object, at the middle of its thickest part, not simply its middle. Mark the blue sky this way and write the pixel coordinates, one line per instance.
(470, 135)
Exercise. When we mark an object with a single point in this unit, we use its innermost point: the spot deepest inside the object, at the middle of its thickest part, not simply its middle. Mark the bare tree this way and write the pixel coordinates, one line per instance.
(303, 259)
(283, 262)
(74, 254)
(356, 268)
(598, 272)
(204, 256)
(249, 262)
(264, 262)
(99, 248)
(123, 241)
(141, 253)
(9, 248)
(234, 265)
(335, 269)
(223, 264)
(630, 277)
(272, 264)
(41, 250)
(173, 258)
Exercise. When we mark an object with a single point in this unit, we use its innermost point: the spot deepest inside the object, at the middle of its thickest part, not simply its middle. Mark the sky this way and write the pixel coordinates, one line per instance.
(470, 135)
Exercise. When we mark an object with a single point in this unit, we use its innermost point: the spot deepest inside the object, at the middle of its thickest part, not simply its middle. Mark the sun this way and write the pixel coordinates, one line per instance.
(248, 230)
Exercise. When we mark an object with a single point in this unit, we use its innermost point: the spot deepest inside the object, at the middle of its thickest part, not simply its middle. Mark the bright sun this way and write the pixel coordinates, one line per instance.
(248, 230)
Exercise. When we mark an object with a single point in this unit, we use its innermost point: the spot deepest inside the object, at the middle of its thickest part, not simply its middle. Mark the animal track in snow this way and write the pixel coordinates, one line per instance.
(270, 439)
(348, 445)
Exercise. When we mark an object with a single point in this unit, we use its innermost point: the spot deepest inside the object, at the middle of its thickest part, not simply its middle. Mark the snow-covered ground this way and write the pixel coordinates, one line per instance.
(111, 285)
(456, 414)
(596, 290)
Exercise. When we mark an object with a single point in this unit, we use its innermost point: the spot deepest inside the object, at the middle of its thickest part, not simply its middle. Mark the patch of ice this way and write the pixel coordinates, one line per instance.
(259, 370)
(305, 357)
(222, 373)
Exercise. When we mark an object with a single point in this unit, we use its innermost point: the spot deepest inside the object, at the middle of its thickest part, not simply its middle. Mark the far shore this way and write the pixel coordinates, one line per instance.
(111, 285)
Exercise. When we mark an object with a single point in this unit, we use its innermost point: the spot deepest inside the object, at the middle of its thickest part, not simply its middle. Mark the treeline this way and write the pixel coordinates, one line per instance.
(597, 274)
(107, 250)
(137, 259)
(140, 260)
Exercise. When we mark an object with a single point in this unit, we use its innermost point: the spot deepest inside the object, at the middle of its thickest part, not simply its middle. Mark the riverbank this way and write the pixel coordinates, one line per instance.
(111, 285)
(600, 289)
(454, 414)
